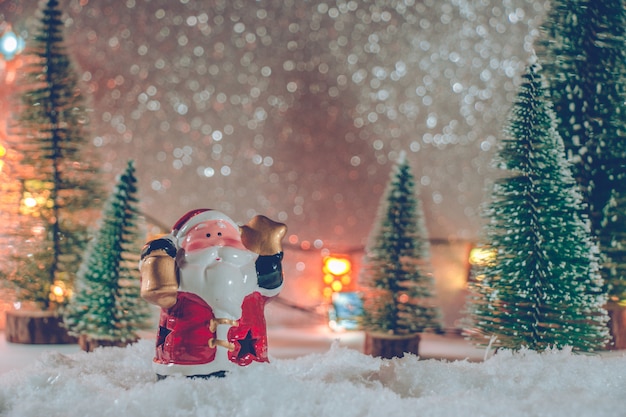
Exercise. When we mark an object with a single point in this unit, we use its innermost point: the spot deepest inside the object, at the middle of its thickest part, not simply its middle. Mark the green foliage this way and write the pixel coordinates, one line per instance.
(107, 304)
(614, 248)
(398, 297)
(583, 56)
(543, 289)
(56, 192)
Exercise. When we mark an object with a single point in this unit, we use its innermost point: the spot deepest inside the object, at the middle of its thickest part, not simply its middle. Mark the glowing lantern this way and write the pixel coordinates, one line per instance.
(337, 266)
(337, 278)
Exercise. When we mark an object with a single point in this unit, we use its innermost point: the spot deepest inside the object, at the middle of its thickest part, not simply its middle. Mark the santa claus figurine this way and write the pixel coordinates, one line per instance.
(212, 279)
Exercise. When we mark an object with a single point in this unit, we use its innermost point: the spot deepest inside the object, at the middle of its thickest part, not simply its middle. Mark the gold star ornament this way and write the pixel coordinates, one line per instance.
(263, 236)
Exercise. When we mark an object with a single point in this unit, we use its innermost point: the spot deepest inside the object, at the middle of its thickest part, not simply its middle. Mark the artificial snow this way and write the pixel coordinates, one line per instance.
(337, 382)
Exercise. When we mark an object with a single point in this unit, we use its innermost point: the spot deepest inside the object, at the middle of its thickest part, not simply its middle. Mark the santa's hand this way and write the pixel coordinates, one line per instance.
(263, 236)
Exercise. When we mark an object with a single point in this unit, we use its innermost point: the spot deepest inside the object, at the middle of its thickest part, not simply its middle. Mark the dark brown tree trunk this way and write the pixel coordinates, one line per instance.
(617, 325)
(36, 327)
(89, 344)
(390, 346)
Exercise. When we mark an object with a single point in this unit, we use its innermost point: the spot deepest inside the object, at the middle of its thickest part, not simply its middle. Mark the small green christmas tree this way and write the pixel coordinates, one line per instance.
(107, 305)
(399, 286)
(58, 191)
(613, 248)
(543, 289)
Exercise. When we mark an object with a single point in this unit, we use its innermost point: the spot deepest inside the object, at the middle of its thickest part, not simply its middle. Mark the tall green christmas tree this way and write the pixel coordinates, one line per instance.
(107, 305)
(398, 283)
(543, 288)
(59, 189)
(583, 56)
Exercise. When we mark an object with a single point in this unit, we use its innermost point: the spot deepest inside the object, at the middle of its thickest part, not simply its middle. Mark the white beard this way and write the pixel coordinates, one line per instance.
(222, 276)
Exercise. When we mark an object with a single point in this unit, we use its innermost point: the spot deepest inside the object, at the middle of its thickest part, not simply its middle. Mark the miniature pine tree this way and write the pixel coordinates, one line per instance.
(614, 248)
(59, 190)
(10, 190)
(543, 289)
(107, 304)
(583, 56)
(399, 286)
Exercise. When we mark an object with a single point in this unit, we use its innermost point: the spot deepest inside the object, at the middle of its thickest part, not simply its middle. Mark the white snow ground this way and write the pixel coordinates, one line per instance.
(312, 374)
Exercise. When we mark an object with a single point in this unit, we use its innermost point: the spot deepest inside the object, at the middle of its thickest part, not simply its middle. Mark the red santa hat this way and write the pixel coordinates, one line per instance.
(197, 216)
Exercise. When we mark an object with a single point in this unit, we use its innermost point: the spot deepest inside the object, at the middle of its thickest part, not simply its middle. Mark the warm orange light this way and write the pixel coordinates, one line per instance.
(337, 266)
(36, 196)
(30, 202)
(337, 274)
(482, 256)
(59, 292)
(3, 152)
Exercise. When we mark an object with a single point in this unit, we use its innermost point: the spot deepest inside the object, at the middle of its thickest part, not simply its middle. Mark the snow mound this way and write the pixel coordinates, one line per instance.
(340, 382)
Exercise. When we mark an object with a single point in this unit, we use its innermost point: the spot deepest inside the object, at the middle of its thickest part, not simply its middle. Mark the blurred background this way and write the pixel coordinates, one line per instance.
(298, 110)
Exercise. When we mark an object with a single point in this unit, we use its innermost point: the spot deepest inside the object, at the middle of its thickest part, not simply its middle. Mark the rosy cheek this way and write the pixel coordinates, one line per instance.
(197, 245)
(195, 242)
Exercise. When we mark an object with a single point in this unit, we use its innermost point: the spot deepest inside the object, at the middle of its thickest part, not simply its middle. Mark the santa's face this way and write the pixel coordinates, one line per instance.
(214, 264)
(222, 275)
(211, 233)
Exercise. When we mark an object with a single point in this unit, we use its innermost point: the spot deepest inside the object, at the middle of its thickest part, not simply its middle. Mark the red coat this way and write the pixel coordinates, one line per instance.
(184, 332)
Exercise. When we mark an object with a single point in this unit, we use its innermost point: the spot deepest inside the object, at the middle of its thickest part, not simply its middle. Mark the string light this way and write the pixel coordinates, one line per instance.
(10, 44)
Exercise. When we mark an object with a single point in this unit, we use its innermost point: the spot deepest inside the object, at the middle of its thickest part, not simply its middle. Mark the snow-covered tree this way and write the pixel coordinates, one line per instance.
(543, 289)
(107, 303)
(58, 189)
(614, 248)
(583, 56)
(398, 283)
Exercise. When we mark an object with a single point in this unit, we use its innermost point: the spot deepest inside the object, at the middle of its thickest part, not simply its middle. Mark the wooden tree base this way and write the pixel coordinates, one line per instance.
(89, 344)
(36, 327)
(391, 346)
(617, 325)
